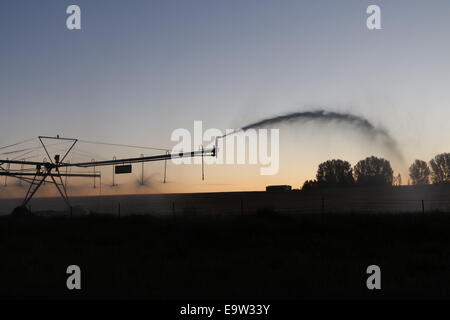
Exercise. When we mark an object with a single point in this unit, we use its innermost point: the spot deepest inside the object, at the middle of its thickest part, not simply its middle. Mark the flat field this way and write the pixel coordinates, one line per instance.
(255, 256)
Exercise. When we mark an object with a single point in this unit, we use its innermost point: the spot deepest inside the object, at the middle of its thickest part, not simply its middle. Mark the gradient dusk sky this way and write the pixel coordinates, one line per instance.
(140, 69)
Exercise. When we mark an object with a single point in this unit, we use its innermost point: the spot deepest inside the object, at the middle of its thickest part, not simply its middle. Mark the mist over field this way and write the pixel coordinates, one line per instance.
(357, 200)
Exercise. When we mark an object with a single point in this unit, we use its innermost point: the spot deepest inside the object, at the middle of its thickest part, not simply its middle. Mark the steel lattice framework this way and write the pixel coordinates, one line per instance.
(36, 173)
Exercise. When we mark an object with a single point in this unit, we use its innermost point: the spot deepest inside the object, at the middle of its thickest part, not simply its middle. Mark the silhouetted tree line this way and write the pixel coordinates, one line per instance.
(374, 171)
(438, 172)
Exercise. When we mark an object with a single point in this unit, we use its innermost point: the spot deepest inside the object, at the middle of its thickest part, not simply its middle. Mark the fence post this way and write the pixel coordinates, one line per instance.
(118, 209)
(71, 211)
(173, 209)
(242, 207)
(322, 208)
(423, 206)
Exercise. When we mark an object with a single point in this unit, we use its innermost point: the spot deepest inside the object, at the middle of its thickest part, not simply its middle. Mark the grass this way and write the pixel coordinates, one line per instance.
(263, 256)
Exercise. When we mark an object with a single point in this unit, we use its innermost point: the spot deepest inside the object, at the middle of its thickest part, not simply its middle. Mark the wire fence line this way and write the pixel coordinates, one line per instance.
(163, 205)
(321, 206)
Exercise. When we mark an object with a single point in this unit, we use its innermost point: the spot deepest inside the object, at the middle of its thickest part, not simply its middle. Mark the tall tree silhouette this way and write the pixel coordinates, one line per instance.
(440, 167)
(335, 173)
(419, 172)
(397, 180)
(309, 185)
(373, 171)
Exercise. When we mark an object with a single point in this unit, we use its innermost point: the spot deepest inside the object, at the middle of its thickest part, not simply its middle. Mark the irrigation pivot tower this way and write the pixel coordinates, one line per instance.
(36, 173)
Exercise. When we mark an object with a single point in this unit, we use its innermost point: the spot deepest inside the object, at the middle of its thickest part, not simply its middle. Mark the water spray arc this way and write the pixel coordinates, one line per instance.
(324, 116)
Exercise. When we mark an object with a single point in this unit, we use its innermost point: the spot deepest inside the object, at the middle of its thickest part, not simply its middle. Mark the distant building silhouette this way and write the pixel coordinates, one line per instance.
(280, 188)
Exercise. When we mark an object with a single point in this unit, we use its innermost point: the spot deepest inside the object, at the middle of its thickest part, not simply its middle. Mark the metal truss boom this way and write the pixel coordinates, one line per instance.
(51, 169)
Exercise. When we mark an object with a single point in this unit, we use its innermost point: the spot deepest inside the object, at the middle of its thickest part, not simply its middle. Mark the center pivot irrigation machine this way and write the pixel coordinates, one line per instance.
(36, 173)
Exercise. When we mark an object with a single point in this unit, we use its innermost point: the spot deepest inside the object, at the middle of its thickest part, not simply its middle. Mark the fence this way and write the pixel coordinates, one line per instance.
(322, 206)
(244, 203)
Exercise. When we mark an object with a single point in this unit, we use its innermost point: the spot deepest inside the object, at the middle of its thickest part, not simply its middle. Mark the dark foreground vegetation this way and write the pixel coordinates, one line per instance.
(208, 257)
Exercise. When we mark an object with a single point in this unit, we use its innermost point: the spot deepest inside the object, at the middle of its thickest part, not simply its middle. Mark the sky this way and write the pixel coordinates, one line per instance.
(138, 70)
